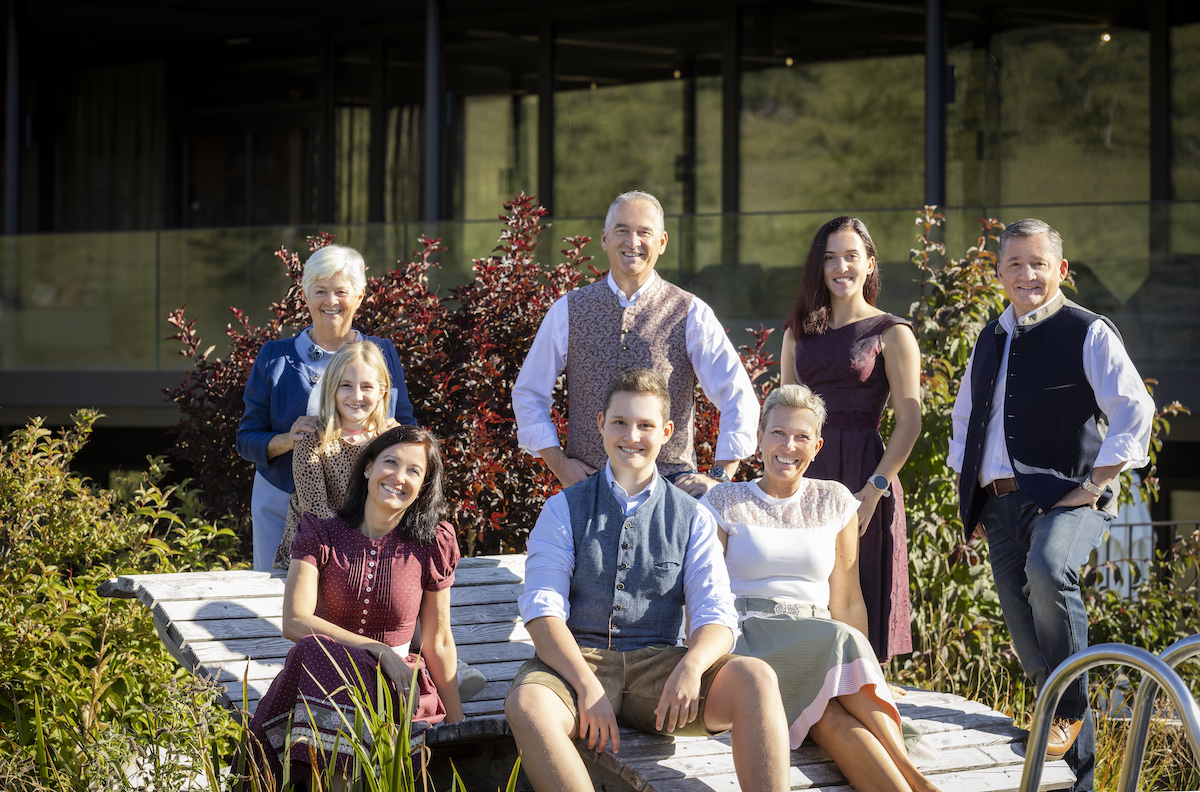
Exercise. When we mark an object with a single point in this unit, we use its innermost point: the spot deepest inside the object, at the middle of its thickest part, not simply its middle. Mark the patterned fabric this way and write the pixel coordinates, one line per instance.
(370, 586)
(845, 368)
(322, 478)
(605, 339)
(782, 548)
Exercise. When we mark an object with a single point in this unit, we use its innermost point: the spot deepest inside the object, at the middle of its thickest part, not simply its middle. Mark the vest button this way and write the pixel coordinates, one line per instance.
(628, 524)
(620, 587)
(626, 545)
(624, 566)
(616, 607)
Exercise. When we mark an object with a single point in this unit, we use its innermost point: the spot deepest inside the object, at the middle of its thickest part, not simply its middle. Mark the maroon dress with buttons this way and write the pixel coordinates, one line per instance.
(844, 368)
(371, 587)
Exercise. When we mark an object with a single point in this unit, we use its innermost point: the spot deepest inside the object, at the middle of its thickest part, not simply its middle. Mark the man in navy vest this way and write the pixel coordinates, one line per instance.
(1050, 411)
(615, 562)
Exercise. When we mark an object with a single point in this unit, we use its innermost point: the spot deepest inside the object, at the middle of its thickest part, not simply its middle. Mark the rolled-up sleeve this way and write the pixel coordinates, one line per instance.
(550, 563)
(533, 392)
(1121, 395)
(724, 381)
(705, 578)
(960, 417)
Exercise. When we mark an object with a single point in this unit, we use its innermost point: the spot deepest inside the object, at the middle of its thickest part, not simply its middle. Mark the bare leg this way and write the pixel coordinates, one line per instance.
(544, 730)
(744, 697)
(867, 710)
(856, 752)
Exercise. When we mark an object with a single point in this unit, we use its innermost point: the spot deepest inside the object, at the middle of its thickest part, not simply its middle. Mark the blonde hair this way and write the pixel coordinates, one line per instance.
(799, 397)
(329, 422)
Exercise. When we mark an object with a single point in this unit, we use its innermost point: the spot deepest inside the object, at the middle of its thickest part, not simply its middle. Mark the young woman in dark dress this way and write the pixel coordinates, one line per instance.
(356, 585)
(854, 356)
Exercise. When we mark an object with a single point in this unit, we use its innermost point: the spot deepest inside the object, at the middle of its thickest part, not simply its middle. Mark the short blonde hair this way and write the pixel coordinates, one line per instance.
(334, 260)
(799, 397)
(365, 353)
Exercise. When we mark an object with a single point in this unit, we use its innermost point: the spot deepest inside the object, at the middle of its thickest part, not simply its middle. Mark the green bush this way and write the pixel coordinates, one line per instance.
(72, 665)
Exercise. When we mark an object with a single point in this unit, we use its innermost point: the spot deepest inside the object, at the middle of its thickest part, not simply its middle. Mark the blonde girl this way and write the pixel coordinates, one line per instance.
(352, 411)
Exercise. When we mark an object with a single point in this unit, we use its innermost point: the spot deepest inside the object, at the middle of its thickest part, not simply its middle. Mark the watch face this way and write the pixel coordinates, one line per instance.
(880, 483)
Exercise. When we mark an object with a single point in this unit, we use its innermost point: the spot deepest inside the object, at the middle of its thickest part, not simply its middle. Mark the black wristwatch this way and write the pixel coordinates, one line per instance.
(718, 473)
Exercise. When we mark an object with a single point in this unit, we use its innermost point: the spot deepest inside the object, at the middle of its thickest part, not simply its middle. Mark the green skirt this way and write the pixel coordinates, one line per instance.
(816, 659)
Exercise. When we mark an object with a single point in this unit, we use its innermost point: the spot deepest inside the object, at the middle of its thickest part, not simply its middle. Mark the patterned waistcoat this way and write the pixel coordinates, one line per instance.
(605, 339)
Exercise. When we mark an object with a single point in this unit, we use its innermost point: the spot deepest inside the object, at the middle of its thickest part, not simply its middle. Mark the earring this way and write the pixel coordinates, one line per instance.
(366, 474)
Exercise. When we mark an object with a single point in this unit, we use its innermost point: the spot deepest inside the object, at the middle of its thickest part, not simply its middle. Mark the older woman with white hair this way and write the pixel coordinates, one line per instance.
(281, 391)
(791, 546)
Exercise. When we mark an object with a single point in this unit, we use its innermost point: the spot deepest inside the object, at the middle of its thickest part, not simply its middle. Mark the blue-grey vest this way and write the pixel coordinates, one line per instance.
(627, 588)
(1053, 427)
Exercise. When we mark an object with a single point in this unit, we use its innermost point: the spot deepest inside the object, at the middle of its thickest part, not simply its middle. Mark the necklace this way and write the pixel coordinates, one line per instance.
(353, 432)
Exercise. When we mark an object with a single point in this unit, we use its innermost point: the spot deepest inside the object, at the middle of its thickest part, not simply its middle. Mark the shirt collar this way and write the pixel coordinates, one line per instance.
(619, 492)
(612, 284)
(1008, 320)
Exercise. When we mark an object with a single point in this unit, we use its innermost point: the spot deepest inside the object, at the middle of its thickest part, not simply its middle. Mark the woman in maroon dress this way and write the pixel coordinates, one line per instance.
(853, 355)
(356, 585)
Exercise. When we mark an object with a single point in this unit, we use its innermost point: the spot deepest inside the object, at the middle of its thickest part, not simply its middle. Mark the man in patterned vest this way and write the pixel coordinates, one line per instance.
(1050, 411)
(633, 318)
(615, 564)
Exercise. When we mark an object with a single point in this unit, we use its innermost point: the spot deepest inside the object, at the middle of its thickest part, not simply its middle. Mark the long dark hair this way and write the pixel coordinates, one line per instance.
(810, 312)
(420, 520)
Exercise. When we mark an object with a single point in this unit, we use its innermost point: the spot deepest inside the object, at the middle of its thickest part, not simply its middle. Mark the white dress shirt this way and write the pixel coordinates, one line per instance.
(722, 377)
(1119, 390)
(551, 562)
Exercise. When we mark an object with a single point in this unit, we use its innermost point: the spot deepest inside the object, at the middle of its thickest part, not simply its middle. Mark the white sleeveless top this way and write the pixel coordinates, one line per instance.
(782, 548)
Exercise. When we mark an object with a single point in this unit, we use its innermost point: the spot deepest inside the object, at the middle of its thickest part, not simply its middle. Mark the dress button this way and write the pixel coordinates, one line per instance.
(370, 563)
(360, 629)
(364, 621)
(372, 552)
(366, 602)
(370, 575)
(364, 614)
(368, 589)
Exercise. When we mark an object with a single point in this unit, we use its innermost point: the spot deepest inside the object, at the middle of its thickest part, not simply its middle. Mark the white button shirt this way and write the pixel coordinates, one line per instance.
(1118, 387)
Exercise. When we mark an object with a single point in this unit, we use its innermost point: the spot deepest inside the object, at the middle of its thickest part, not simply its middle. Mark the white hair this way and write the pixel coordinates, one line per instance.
(334, 260)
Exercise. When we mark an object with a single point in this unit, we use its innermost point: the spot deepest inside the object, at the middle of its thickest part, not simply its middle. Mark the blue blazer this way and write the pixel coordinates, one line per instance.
(277, 393)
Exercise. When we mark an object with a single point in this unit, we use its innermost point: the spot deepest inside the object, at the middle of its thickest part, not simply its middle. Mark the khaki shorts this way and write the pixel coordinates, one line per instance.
(633, 682)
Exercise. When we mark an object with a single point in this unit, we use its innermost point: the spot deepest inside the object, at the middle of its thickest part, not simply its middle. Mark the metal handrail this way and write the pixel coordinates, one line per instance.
(1070, 669)
(1143, 707)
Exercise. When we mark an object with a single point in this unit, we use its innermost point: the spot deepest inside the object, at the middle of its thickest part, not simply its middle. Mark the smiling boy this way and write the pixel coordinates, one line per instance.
(614, 564)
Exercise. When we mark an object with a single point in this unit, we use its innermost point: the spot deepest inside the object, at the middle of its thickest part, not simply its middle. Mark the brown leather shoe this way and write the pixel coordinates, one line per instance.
(1062, 736)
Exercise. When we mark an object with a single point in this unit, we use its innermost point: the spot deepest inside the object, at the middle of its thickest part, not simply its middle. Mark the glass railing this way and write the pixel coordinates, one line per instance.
(100, 301)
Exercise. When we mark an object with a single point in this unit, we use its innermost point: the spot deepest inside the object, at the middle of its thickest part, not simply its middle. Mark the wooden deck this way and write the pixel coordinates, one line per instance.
(227, 626)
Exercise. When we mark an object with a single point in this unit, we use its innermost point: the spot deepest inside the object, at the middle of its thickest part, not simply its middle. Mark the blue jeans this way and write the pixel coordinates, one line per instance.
(1035, 560)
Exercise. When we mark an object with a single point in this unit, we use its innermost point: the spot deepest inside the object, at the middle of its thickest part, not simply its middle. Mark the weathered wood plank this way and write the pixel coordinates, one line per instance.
(226, 629)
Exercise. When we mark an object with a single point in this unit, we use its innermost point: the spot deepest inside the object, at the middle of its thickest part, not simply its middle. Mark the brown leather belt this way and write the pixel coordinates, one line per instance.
(1002, 487)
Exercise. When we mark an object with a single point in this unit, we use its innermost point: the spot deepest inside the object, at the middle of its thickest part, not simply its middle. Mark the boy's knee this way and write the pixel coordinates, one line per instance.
(753, 676)
(532, 707)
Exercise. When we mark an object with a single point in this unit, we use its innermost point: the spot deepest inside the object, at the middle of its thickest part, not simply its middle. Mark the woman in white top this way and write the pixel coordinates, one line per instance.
(791, 545)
